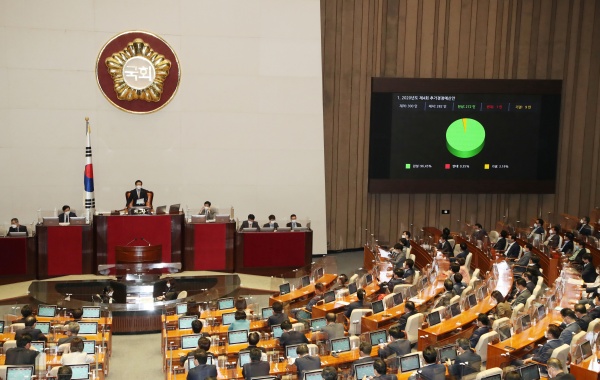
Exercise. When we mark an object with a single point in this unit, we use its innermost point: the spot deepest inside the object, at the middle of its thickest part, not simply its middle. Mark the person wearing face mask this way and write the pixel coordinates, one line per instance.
(584, 227)
(522, 263)
(501, 243)
(107, 295)
(206, 210)
(138, 197)
(567, 246)
(588, 274)
(272, 222)
(170, 293)
(538, 228)
(578, 252)
(553, 239)
(555, 370)
(513, 249)
(16, 227)
(542, 354)
(66, 214)
(293, 223)
(398, 255)
(595, 312)
(478, 232)
(445, 247)
(250, 223)
(405, 235)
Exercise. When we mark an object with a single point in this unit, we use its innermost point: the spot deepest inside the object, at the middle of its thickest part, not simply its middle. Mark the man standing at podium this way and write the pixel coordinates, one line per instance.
(16, 227)
(138, 197)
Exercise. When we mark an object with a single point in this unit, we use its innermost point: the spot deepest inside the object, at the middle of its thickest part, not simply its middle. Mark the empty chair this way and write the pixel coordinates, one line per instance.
(468, 261)
(592, 325)
(529, 302)
(413, 323)
(452, 243)
(182, 294)
(540, 280)
(400, 288)
(577, 338)
(499, 322)
(476, 274)
(466, 292)
(516, 310)
(353, 278)
(482, 346)
(454, 299)
(561, 353)
(536, 291)
(386, 299)
(416, 276)
(298, 326)
(489, 372)
(411, 256)
(355, 320)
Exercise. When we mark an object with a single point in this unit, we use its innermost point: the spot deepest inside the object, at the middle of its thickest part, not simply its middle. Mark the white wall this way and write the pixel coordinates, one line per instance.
(245, 128)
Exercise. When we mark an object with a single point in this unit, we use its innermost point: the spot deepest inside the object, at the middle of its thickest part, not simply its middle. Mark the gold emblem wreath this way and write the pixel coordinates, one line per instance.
(138, 48)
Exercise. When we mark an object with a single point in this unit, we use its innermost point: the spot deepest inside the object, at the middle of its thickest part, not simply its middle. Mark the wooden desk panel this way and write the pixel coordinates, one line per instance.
(18, 256)
(319, 311)
(64, 250)
(209, 246)
(581, 370)
(307, 291)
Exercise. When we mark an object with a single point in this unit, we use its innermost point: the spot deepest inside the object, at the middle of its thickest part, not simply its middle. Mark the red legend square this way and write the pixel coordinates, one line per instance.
(447, 166)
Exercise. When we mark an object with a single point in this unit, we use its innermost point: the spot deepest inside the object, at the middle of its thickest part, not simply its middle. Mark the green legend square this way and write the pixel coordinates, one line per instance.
(408, 166)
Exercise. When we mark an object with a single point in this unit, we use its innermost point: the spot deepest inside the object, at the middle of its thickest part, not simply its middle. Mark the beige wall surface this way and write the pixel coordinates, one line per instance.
(245, 128)
(496, 39)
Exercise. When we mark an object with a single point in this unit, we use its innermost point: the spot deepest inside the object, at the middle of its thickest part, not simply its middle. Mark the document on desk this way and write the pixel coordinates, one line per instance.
(340, 303)
(416, 300)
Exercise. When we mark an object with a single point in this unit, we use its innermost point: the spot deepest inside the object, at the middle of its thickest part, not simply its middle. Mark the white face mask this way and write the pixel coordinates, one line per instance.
(110, 294)
(138, 187)
(535, 225)
(293, 220)
(403, 236)
(551, 232)
(13, 225)
(206, 207)
(272, 221)
(168, 285)
(250, 221)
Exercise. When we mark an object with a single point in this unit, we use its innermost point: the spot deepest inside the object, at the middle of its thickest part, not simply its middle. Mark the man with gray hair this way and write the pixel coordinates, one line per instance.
(72, 331)
(555, 370)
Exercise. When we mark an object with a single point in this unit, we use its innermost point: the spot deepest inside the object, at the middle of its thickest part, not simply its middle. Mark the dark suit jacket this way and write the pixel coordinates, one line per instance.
(290, 224)
(393, 282)
(433, 372)
(584, 229)
(471, 364)
(545, 351)
(500, 244)
(246, 225)
(564, 376)
(202, 371)
(567, 247)
(447, 249)
(276, 319)
(292, 337)
(567, 334)
(268, 225)
(19, 228)
(133, 197)
(588, 274)
(36, 334)
(553, 241)
(404, 319)
(255, 369)
(458, 288)
(477, 334)
(594, 313)
(462, 255)
(61, 217)
(409, 273)
(538, 230)
(355, 305)
(513, 251)
(530, 286)
(399, 347)
(20, 356)
(522, 297)
(307, 363)
(584, 322)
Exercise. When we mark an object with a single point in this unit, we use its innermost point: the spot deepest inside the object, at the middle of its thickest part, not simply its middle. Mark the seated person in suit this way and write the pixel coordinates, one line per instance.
(578, 252)
(66, 215)
(464, 252)
(364, 356)
(138, 197)
(291, 336)
(567, 246)
(380, 369)
(272, 222)
(171, 291)
(319, 290)
(459, 285)
(305, 362)
(206, 210)
(571, 327)
(333, 329)
(409, 272)
(397, 279)
(203, 344)
(588, 274)
(250, 223)
(26, 311)
(555, 370)
(542, 354)
(202, 370)
(553, 239)
(502, 308)
(478, 232)
(64, 373)
(341, 282)
(534, 268)
(444, 299)
(72, 331)
(530, 285)
(278, 317)
(398, 254)
(30, 330)
(22, 354)
(409, 311)
(107, 294)
(329, 373)
(483, 327)
(197, 327)
(513, 249)
(76, 356)
(467, 361)
(256, 367)
(362, 303)
(432, 370)
(501, 243)
(293, 223)
(241, 322)
(521, 264)
(584, 227)
(538, 228)
(446, 247)
(16, 227)
(398, 345)
(594, 312)
(522, 292)
(583, 318)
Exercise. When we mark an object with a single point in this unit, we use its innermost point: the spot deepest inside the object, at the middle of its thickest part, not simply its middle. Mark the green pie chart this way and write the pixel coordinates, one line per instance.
(465, 138)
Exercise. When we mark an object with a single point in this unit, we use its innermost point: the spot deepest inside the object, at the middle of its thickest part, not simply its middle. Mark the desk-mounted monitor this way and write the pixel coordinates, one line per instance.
(377, 306)
(77, 220)
(189, 341)
(249, 229)
(409, 363)
(44, 327)
(88, 328)
(340, 344)
(266, 312)
(225, 303)
(305, 281)
(352, 288)
(161, 210)
(222, 218)
(46, 311)
(228, 318)
(267, 229)
(237, 336)
(22, 372)
(314, 374)
(378, 337)
(80, 371)
(17, 234)
(50, 220)
(329, 296)
(174, 209)
(398, 299)
(472, 299)
(91, 312)
(434, 318)
(530, 372)
(447, 352)
(181, 308)
(455, 309)
(284, 289)
(185, 323)
(198, 218)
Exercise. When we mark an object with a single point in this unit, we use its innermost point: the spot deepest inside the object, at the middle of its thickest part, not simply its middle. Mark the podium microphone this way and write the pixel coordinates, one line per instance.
(134, 239)
(145, 241)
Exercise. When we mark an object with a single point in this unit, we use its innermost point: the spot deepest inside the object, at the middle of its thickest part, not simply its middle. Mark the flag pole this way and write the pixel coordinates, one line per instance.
(88, 176)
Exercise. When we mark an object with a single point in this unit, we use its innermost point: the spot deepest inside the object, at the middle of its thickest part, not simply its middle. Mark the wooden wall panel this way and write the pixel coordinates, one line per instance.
(496, 39)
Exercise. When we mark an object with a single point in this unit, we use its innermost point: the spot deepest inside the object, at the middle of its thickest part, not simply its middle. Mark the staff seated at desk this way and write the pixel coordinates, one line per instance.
(333, 329)
(16, 227)
(542, 354)
(409, 272)
(410, 310)
(256, 367)
(319, 290)
(36, 334)
(206, 210)
(305, 362)
(362, 303)
(26, 311)
(364, 353)
(291, 336)
(66, 215)
(203, 344)
(250, 223)
(76, 356)
(272, 222)
(241, 322)
(483, 327)
(432, 370)
(397, 346)
(22, 354)
(72, 331)
(277, 317)
(202, 370)
(293, 223)
(466, 362)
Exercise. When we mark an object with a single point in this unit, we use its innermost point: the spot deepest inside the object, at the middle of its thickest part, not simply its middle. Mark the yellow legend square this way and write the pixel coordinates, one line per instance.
(486, 166)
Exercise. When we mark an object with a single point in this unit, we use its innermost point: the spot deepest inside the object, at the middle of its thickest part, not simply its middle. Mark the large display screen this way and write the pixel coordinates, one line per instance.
(463, 135)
